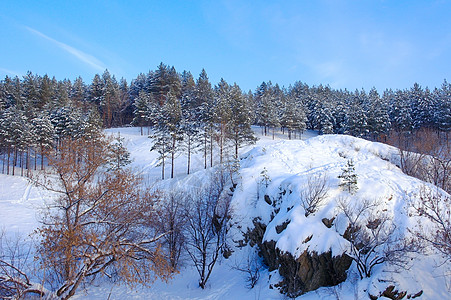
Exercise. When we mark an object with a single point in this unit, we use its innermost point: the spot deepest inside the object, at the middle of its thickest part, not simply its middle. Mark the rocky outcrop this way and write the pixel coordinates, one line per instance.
(310, 271)
(301, 274)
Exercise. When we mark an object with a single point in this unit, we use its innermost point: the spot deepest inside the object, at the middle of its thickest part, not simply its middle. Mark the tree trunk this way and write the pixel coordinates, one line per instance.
(162, 163)
(14, 161)
(236, 145)
(205, 150)
(35, 159)
(7, 165)
(172, 156)
(189, 154)
(221, 136)
(28, 162)
(21, 163)
(42, 157)
(211, 149)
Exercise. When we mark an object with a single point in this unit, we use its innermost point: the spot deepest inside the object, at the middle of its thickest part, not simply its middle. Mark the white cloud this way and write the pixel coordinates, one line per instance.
(14, 73)
(84, 57)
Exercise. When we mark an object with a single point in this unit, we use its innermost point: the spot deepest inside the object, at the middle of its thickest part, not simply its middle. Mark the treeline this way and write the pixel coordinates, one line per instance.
(188, 114)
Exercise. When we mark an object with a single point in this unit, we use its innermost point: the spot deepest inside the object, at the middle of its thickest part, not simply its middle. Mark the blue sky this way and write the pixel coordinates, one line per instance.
(345, 44)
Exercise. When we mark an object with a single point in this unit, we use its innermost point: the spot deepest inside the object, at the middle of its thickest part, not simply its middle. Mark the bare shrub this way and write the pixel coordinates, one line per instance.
(435, 206)
(425, 155)
(15, 260)
(207, 213)
(171, 219)
(314, 193)
(251, 267)
(371, 236)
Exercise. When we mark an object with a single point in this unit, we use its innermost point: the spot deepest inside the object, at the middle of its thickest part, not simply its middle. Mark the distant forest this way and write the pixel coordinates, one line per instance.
(188, 114)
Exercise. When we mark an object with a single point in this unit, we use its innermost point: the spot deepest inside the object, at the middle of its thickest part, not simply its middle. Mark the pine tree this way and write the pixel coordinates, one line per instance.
(443, 111)
(356, 119)
(164, 80)
(203, 97)
(30, 93)
(11, 92)
(378, 118)
(222, 114)
(110, 98)
(78, 93)
(239, 128)
(167, 132)
(142, 110)
(293, 116)
(266, 107)
(348, 178)
(189, 124)
(119, 155)
(96, 91)
(43, 131)
(422, 106)
(47, 89)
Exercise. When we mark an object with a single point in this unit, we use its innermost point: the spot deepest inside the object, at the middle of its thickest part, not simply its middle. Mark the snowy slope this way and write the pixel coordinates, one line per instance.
(287, 166)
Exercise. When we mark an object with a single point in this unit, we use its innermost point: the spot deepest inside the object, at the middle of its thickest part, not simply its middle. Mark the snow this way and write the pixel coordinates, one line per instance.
(19, 205)
(287, 164)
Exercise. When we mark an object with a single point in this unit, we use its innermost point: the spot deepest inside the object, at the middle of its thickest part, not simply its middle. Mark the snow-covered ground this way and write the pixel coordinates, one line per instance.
(287, 165)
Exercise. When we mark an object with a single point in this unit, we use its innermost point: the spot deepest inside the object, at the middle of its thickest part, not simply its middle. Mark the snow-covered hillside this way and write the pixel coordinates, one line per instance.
(271, 180)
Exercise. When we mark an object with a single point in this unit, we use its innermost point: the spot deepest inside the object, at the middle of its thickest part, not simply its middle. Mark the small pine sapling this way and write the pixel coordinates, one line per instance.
(348, 178)
(265, 177)
(119, 156)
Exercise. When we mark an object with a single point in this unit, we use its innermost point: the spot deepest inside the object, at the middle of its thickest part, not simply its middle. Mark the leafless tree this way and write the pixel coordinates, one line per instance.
(101, 224)
(435, 206)
(371, 236)
(171, 218)
(15, 261)
(426, 155)
(207, 213)
(314, 193)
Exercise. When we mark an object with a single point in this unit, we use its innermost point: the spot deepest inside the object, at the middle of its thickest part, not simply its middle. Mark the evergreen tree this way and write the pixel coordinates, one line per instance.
(142, 110)
(47, 90)
(222, 115)
(189, 124)
(30, 93)
(239, 127)
(167, 132)
(266, 107)
(62, 94)
(348, 177)
(43, 132)
(78, 93)
(293, 116)
(443, 111)
(11, 92)
(356, 119)
(203, 97)
(109, 101)
(378, 118)
(422, 106)
(124, 114)
(400, 111)
(164, 80)
(119, 155)
(96, 91)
